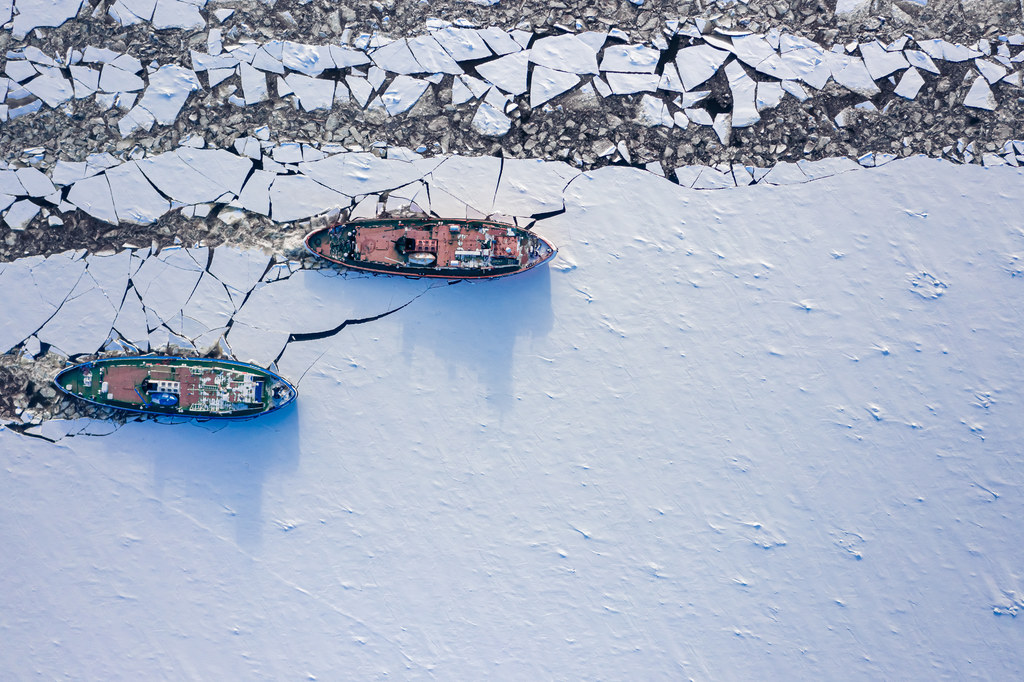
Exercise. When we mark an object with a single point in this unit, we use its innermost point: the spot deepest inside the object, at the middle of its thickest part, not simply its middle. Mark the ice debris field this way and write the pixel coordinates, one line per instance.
(391, 75)
(767, 431)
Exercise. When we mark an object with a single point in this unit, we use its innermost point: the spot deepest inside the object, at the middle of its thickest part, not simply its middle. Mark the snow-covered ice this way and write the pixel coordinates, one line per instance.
(548, 83)
(980, 95)
(402, 94)
(630, 58)
(698, 63)
(744, 96)
(508, 72)
(881, 62)
(569, 52)
(490, 118)
(759, 432)
(910, 83)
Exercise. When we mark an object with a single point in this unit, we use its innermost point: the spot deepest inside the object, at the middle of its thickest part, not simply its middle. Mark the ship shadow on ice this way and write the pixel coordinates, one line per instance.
(215, 468)
(475, 329)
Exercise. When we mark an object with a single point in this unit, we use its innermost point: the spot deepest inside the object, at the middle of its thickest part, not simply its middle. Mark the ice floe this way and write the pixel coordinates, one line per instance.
(547, 83)
(910, 83)
(698, 63)
(490, 118)
(569, 53)
(630, 59)
(402, 94)
(744, 96)
(980, 95)
(508, 72)
(554, 63)
(881, 62)
(31, 14)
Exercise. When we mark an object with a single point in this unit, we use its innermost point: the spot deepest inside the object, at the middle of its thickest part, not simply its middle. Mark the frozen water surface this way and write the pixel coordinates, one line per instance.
(704, 442)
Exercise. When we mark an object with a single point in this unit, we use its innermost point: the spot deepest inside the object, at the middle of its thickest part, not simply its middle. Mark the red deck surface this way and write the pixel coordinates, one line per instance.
(377, 244)
(122, 382)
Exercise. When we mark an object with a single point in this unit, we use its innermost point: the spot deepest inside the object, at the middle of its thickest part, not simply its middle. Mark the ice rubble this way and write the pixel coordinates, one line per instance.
(554, 64)
(300, 181)
(751, 431)
(162, 285)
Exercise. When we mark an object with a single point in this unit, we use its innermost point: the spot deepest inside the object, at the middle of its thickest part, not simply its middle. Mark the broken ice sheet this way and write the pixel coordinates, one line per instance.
(827, 167)
(169, 87)
(361, 89)
(83, 322)
(359, 174)
(809, 65)
(209, 307)
(20, 214)
(785, 173)
(308, 302)
(131, 321)
(402, 94)
(921, 60)
(910, 84)
(135, 199)
(344, 57)
(114, 79)
(568, 52)
(129, 12)
(86, 80)
(851, 73)
(500, 42)
(33, 289)
(980, 95)
(472, 181)
(629, 83)
(294, 197)
(177, 14)
(178, 180)
(744, 95)
(224, 169)
(549, 83)
(463, 44)
(92, 195)
(431, 57)
(50, 86)
(396, 57)
(990, 70)
(769, 95)
(630, 59)
(255, 196)
(239, 269)
(508, 73)
(34, 182)
(311, 60)
(531, 186)
(254, 84)
(313, 93)
(461, 93)
(879, 61)
(699, 116)
(166, 281)
(653, 111)
(490, 118)
(698, 63)
(41, 13)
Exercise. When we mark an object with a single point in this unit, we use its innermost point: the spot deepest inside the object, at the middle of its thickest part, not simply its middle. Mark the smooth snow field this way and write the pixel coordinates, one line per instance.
(768, 432)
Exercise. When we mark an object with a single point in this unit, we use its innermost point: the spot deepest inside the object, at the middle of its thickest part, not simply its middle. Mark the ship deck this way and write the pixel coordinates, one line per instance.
(452, 248)
(203, 388)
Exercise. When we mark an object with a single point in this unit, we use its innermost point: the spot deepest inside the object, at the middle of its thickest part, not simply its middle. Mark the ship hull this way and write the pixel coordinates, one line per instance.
(195, 388)
(438, 248)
